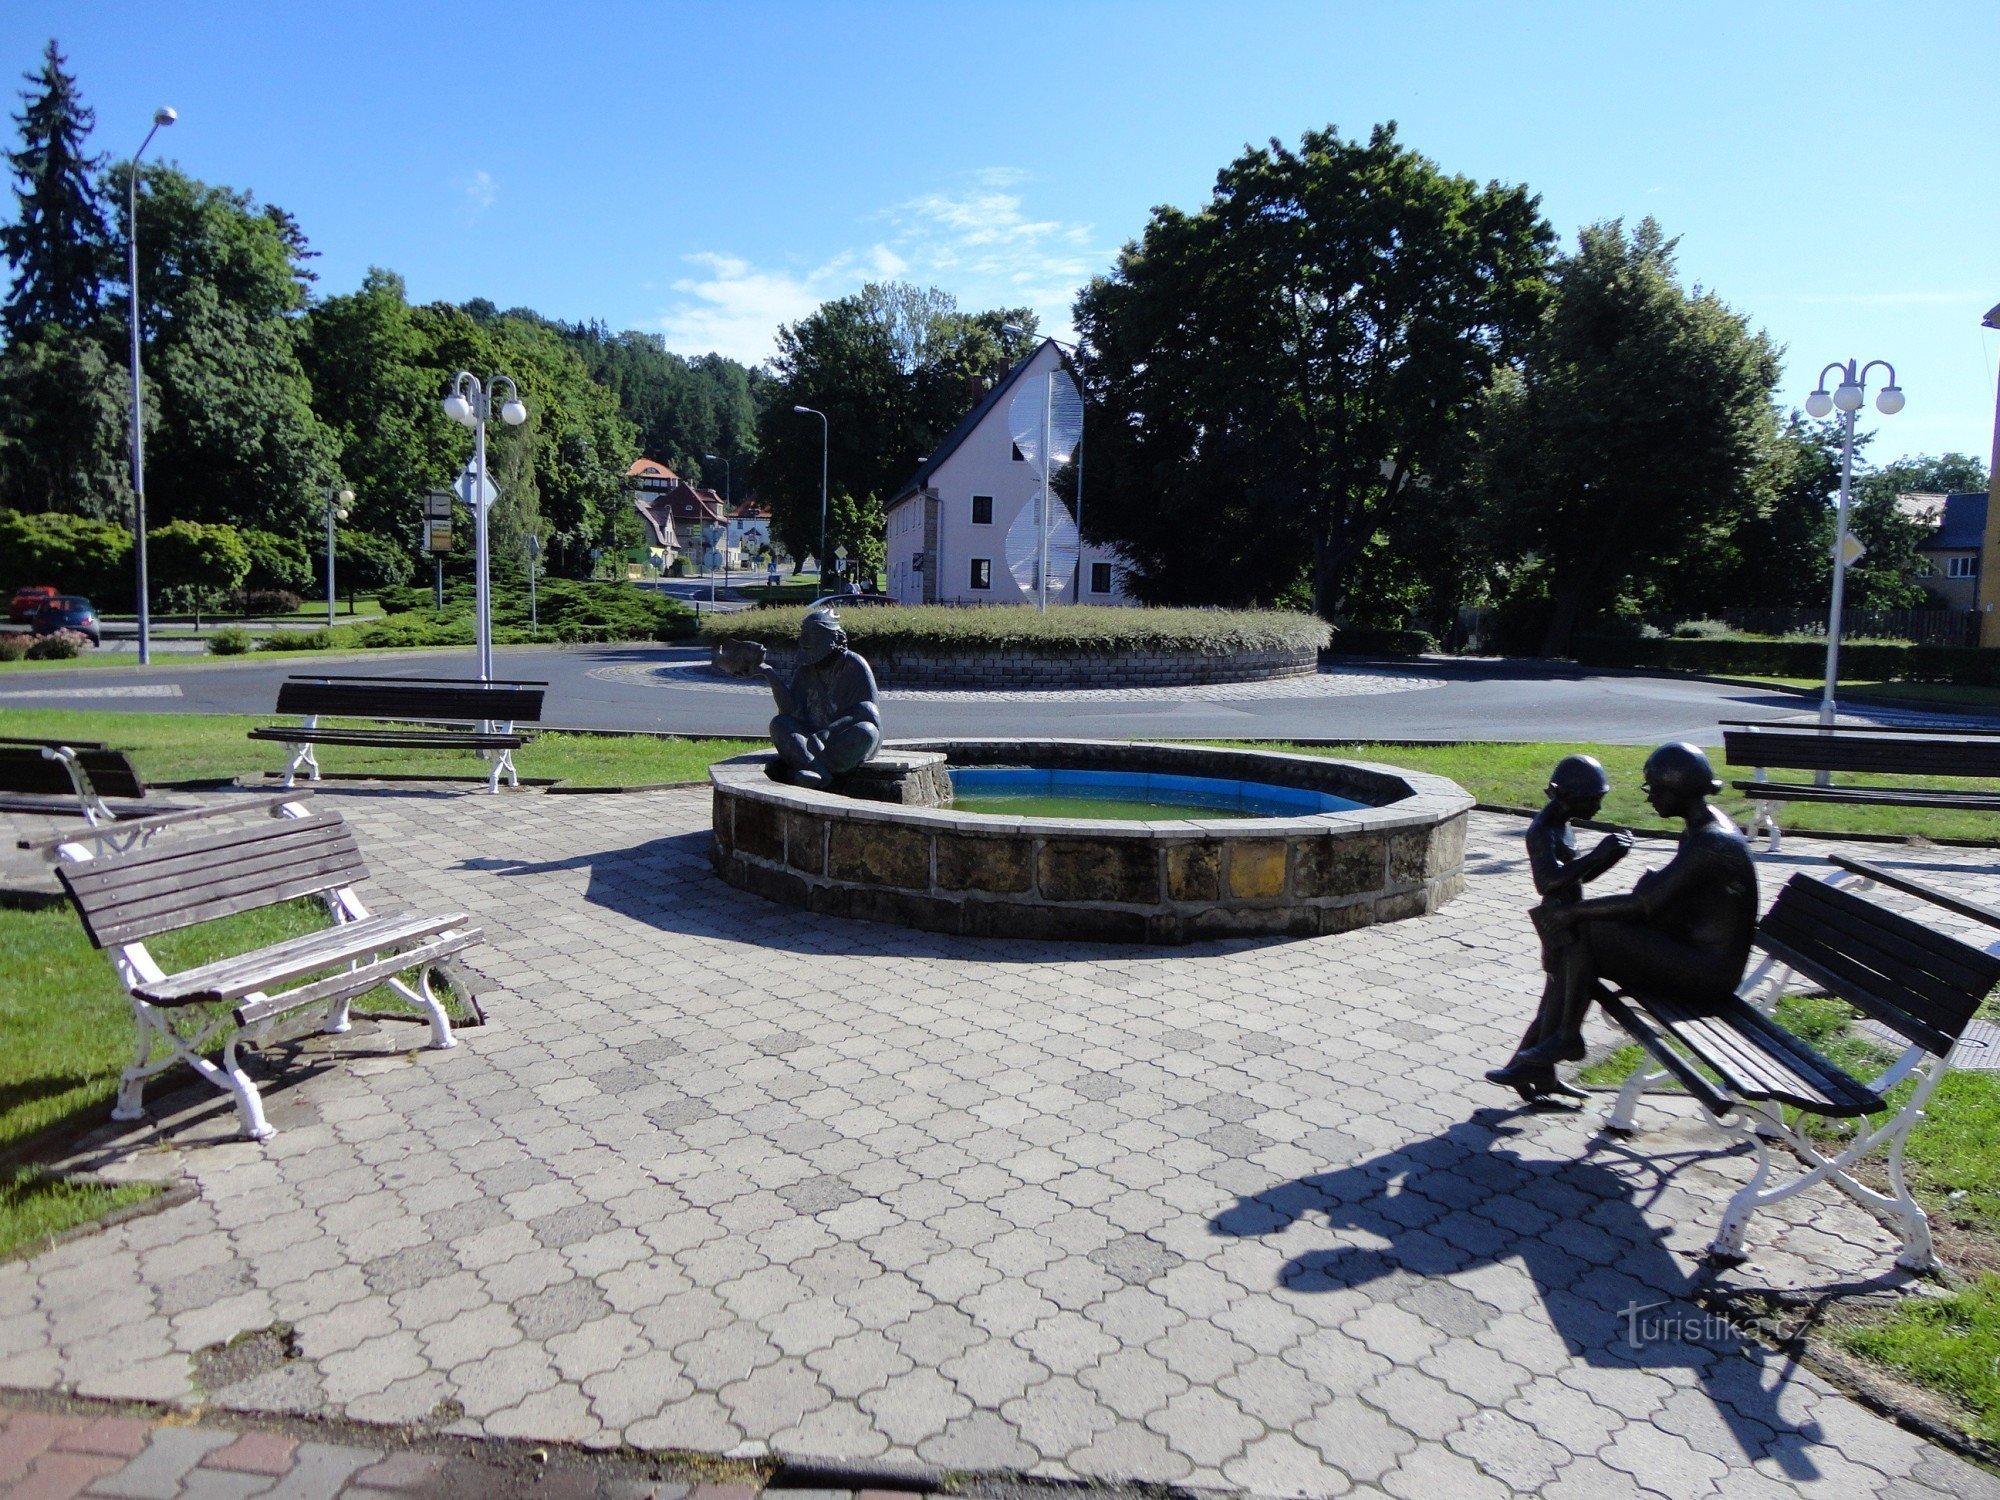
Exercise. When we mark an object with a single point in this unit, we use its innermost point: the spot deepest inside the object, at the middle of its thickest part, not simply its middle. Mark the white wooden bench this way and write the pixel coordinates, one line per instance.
(1746, 1070)
(76, 779)
(204, 871)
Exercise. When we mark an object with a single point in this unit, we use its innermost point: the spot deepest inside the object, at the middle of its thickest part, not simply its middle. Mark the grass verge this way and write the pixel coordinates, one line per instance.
(36, 1206)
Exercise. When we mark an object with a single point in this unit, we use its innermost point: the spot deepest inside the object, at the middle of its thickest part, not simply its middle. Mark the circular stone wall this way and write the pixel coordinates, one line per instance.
(907, 666)
(1164, 882)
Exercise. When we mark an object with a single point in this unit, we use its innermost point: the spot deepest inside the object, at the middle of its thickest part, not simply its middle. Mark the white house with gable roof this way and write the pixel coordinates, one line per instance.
(950, 527)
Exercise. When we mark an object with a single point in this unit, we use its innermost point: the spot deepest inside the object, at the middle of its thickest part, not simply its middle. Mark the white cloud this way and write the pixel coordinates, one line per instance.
(977, 242)
(481, 191)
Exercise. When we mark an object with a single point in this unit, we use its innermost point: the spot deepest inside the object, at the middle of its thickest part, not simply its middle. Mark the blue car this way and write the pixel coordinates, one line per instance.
(68, 612)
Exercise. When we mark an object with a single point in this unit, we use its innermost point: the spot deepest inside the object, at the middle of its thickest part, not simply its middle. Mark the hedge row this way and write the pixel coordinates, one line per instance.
(1965, 665)
(1063, 627)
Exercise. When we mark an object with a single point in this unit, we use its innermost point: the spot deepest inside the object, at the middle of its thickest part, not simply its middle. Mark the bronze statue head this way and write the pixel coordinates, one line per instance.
(820, 636)
(1578, 782)
(1678, 779)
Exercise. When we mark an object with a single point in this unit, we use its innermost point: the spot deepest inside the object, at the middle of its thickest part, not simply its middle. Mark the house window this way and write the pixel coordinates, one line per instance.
(1100, 578)
(982, 572)
(1019, 456)
(982, 510)
(1962, 567)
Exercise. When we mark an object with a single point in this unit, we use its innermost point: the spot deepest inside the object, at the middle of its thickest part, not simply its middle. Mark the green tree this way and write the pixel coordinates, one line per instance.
(365, 564)
(857, 527)
(64, 412)
(73, 553)
(277, 563)
(1273, 376)
(894, 367)
(1631, 440)
(196, 567)
(225, 280)
(58, 244)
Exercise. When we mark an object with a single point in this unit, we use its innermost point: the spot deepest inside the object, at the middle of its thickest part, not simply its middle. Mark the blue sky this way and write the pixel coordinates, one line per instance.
(707, 171)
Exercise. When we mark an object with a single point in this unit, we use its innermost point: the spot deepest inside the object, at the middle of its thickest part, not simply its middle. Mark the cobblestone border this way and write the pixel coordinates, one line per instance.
(1168, 882)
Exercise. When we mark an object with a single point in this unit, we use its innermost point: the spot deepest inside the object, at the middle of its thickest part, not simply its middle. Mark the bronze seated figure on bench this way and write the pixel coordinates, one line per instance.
(1684, 929)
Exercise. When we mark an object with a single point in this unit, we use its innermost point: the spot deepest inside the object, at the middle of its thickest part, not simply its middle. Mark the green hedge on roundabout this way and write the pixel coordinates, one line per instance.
(1061, 629)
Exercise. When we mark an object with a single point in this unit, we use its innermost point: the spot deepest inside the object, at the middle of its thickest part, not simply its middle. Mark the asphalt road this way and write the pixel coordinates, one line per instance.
(618, 687)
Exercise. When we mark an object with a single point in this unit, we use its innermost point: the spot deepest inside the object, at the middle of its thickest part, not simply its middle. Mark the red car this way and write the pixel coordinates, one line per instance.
(21, 608)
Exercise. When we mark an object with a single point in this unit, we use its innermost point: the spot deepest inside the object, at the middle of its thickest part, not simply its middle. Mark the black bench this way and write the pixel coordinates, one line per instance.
(1852, 748)
(201, 872)
(81, 779)
(1745, 1069)
(459, 714)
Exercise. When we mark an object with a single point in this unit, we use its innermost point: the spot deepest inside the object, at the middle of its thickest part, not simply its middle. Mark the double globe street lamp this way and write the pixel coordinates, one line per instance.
(471, 403)
(338, 504)
(1846, 398)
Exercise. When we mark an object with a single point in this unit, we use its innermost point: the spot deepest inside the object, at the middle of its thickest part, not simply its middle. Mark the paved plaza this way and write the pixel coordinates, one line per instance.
(724, 1177)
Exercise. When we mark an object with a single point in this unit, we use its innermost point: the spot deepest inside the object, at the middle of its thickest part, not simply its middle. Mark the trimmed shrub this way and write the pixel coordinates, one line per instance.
(265, 602)
(1063, 627)
(13, 647)
(1967, 666)
(58, 645)
(1364, 642)
(321, 639)
(1702, 630)
(72, 553)
(231, 640)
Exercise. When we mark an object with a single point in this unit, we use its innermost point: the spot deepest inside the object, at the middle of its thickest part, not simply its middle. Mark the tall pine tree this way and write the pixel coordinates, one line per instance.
(58, 242)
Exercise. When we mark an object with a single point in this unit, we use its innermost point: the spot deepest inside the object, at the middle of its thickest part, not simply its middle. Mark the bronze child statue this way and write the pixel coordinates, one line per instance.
(1685, 929)
(827, 721)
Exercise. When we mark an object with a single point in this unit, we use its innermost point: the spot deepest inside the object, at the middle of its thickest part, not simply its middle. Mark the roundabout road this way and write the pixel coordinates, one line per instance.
(665, 688)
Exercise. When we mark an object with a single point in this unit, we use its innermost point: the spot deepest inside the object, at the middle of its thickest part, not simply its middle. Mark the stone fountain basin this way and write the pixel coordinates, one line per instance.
(1165, 882)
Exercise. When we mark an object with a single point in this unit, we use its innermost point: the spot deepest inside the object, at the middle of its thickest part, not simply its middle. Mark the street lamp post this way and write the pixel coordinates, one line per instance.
(1847, 398)
(825, 441)
(337, 503)
(161, 116)
(534, 557)
(728, 503)
(471, 403)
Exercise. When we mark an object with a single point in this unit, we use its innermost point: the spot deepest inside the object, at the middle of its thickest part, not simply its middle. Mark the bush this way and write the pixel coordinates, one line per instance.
(231, 640)
(58, 645)
(301, 640)
(1967, 666)
(1360, 641)
(265, 602)
(13, 647)
(1702, 630)
(1063, 627)
(72, 553)
(277, 563)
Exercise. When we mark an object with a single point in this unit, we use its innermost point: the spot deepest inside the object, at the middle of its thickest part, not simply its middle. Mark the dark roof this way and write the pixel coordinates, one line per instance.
(956, 437)
(1962, 528)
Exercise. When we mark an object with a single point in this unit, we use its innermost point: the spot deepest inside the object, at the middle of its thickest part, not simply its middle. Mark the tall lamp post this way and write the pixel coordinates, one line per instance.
(337, 504)
(1846, 398)
(161, 117)
(728, 503)
(471, 403)
(825, 442)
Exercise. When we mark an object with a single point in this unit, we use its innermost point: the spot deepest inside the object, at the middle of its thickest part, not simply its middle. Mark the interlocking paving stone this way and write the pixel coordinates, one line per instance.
(719, 1172)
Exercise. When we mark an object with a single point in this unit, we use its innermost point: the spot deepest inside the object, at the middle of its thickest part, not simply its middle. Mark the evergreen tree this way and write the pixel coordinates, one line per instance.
(58, 243)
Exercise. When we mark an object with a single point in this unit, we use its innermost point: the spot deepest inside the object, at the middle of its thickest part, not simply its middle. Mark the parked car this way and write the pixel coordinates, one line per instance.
(27, 599)
(68, 612)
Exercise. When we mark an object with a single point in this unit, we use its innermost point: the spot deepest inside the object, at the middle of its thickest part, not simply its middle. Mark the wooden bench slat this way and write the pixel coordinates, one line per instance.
(1779, 1065)
(188, 874)
(23, 768)
(419, 739)
(429, 700)
(232, 978)
(355, 981)
(1928, 983)
(1885, 796)
(1909, 885)
(125, 809)
(1689, 1077)
(163, 819)
(1808, 751)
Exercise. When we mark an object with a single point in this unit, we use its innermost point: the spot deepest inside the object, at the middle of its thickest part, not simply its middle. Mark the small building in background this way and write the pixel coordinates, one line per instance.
(685, 520)
(1951, 556)
(964, 529)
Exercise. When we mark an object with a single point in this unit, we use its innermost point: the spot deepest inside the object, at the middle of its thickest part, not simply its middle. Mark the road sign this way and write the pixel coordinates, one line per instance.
(1851, 549)
(437, 505)
(437, 536)
(466, 487)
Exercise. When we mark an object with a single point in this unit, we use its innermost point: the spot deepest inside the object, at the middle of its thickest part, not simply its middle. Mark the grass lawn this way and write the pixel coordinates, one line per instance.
(789, 591)
(208, 747)
(1513, 775)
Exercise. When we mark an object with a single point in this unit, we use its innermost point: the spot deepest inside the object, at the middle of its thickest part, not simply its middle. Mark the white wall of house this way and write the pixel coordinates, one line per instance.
(971, 551)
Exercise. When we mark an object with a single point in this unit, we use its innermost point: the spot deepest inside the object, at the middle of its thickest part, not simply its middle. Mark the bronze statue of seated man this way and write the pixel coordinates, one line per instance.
(828, 720)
